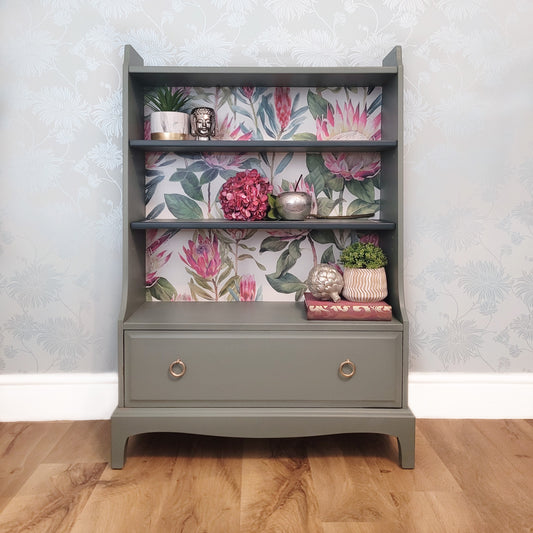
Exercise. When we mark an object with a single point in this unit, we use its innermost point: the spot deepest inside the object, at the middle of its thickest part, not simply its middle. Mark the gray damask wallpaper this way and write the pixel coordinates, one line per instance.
(468, 168)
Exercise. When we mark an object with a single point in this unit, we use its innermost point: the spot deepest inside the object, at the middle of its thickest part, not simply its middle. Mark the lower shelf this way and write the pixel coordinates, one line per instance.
(242, 316)
(263, 423)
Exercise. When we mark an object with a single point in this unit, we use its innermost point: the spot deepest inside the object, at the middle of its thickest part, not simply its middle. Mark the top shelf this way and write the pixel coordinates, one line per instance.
(265, 77)
(263, 146)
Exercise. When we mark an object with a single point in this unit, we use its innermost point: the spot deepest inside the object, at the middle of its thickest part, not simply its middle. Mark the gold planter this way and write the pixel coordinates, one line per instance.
(169, 126)
(365, 284)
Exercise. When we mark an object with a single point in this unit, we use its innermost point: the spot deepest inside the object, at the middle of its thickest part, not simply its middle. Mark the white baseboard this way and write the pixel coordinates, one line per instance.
(456, 395)
(57, 396)
(431, 395)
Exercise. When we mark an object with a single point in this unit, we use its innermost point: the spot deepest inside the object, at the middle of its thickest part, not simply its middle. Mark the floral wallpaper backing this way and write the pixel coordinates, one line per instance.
(231, 265)
(468, 165)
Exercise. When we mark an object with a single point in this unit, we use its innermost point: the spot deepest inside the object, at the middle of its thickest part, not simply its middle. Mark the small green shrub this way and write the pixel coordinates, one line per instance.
(363, 255)
(166, 99)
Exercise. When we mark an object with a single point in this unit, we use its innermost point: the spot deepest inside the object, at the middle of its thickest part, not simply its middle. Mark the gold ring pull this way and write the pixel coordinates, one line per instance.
(182, 368)
(346, 369)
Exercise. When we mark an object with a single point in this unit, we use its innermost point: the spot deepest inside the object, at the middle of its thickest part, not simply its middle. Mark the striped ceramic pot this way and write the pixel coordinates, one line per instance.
(365, 284)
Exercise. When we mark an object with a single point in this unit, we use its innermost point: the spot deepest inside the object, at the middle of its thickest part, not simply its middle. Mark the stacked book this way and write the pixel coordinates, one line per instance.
(345, 310)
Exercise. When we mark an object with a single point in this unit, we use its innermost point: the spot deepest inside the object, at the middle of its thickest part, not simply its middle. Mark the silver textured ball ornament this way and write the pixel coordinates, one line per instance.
(325, 282)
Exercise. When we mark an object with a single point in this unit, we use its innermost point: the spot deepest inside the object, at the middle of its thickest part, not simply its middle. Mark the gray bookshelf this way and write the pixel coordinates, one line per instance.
(266, 146)
(259, 369)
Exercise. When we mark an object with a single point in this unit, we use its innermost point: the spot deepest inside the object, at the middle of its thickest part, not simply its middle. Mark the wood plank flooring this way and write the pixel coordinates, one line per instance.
(471, 476)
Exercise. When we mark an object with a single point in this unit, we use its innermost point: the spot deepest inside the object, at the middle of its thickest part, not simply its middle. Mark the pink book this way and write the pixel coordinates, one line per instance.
(345, 310)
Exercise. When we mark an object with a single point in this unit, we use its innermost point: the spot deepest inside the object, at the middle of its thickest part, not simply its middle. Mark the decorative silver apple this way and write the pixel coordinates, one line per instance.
(293, 205)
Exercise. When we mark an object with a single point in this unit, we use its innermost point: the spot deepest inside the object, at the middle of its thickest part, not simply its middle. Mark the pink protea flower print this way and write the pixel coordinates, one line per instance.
(239, 234)
(228, 131)
(247, 288)
(372, 238)
(203, 257)
(152, 160)
(248, 92)
(245, 196)
(147, 130)
(348, 123)
(155, 258)
(224, 161)
(182, 297)
(289, 234)
(353, 166)
(283, 105)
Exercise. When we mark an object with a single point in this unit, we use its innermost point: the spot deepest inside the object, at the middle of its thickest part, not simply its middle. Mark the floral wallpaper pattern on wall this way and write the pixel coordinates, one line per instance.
(468, 165)
(188, 186)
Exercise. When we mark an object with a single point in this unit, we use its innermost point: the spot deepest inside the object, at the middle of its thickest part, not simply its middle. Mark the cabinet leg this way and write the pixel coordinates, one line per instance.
(406, 446)
(119, 442)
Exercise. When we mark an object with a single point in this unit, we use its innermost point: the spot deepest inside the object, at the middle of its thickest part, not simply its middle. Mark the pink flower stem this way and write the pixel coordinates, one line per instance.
(236, 256)
(217, 98)
(313, 249)
(254, 115)
(215, 286)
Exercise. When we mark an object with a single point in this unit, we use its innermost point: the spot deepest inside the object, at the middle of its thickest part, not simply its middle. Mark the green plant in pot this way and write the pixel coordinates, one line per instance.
(168, 120)
(364, 272)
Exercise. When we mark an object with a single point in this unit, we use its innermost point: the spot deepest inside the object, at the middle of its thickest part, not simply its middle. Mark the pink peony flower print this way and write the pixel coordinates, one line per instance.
(348, 123)
(247, 288)
(203, 257)
(155, 258)
(283, 105)
(353, 166)
(245, 196)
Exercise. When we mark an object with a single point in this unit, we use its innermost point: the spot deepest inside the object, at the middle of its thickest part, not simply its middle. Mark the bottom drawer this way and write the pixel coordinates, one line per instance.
(254, 368)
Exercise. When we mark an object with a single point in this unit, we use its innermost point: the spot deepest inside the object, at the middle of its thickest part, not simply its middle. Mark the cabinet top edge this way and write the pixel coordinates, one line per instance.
(391, 64)
(147, 69)
(268, 77)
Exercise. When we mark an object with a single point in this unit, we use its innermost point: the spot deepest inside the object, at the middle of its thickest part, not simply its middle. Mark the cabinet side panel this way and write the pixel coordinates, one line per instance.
(392, 198)
(133, 205)
(133, 188)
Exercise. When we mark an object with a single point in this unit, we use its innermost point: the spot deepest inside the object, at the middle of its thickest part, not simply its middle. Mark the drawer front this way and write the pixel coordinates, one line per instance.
(256, 368)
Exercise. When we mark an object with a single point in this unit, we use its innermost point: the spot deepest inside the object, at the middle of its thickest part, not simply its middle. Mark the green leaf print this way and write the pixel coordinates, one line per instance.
(183, 207)
(163, 290)
(364, 190)
(318, 106)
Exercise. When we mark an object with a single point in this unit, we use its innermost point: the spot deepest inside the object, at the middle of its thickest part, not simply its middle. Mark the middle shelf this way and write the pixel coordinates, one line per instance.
(263, 146)
(356, 224)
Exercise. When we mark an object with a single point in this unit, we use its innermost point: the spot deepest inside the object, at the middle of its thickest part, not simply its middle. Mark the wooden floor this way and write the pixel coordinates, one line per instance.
(470, 476)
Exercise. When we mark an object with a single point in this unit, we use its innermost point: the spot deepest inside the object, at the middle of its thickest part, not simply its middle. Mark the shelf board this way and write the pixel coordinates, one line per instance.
(263, 146)
(357, 224)
(151, 76)
(227, 316)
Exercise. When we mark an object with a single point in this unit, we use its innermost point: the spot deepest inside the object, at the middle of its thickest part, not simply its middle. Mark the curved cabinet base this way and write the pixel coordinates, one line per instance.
(263, 423)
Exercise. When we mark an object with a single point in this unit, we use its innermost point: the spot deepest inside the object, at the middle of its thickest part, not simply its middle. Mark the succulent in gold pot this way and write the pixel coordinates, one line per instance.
(168, 120)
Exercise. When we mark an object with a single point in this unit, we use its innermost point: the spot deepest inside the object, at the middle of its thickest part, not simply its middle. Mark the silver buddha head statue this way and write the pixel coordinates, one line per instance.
(203, 123)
